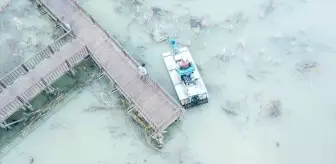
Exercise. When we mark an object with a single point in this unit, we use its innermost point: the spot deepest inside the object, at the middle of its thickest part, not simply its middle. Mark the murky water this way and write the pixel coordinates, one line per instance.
(23, 31)
(269, 68)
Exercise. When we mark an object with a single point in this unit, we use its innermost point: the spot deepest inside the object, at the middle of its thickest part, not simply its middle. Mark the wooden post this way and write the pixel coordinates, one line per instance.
(8, 127)
(158, 137)
(92, 20)
(87, 50)
(20, 99)
(115, 88)
(102, 72)
(26, 105)
(44, 82)
(50, 90)
(107, 34)
(5, 125)
(51, 50)
(25, 67)
(72, 34)
(72, 71)
(2, 84)
(130, 108)
(68, 64)
(29, 106)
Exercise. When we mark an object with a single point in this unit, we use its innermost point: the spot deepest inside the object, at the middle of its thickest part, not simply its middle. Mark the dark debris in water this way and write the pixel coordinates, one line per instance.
(237, 20)
(137, 2)
(225, 55)
(231, 108)
(161, 13)
(199, 22)
(195, 22)
(307, 66)
(274, 107)
(156, 10)
(269, 9)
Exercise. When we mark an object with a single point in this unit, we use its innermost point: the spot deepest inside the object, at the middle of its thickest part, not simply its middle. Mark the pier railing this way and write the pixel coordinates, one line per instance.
(41, 55)
(53, 16)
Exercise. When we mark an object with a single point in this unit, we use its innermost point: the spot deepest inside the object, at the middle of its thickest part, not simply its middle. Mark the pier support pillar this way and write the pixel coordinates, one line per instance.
(28, 106)
(57, 23)
(4, 125)
(101, 71)
(2, 84)
(158, 137)
(72, 34)
(51, 90)
(72, 72)
(130, 108)
(92, 20)
(115, 88)
(178, 119)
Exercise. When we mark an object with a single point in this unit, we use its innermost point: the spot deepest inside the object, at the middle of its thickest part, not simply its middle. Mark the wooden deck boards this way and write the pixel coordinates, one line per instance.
(155, 105)
(30, 84)
(151, 100)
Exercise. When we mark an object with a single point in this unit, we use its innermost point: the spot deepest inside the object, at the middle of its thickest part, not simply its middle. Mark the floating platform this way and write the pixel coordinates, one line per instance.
(192, 93)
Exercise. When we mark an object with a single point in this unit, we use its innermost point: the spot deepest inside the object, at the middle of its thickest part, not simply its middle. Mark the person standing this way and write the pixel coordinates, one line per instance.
(143, 72)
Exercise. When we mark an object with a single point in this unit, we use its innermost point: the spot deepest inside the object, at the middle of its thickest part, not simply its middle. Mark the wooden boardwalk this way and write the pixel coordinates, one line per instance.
(29, 79)
(26, 81)
(151, 103)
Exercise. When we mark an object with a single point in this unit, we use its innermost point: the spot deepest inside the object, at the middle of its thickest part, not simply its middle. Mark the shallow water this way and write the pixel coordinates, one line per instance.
(283, 54)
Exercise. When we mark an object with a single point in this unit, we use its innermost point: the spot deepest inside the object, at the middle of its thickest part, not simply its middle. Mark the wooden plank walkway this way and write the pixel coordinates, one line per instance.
(151, 101)
(22, 84)
(33, 81)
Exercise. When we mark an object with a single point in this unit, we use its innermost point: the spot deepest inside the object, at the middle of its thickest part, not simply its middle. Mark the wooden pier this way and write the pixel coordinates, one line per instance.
(27, 80)
(150, 104)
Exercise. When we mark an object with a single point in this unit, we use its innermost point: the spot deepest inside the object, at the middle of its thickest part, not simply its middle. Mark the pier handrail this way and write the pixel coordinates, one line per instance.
(23, 68)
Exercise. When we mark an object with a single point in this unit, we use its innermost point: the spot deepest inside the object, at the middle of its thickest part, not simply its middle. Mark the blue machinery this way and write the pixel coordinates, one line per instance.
(185, 73)
(173, 45)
